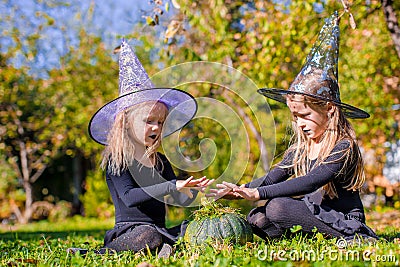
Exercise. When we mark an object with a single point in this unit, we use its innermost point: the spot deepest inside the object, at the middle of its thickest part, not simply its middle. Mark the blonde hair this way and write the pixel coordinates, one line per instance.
(119, 154)
(339, 129)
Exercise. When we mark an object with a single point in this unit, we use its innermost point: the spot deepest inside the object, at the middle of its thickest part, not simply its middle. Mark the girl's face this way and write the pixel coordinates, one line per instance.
(310, 118)
(145, 123)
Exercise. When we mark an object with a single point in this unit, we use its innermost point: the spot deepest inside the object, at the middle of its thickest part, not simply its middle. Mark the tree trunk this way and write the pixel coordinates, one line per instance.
(26, 184)
(28, 202)
(392, 23)
(24, 171)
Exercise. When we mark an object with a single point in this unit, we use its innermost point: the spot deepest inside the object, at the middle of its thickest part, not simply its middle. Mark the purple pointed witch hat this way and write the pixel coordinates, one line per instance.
(135, 87)
(318, 77)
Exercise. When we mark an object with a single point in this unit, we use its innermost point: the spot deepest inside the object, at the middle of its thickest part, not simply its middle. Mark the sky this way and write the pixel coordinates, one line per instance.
(110, 20)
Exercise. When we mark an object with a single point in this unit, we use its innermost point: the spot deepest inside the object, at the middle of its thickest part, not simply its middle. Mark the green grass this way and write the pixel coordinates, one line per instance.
(45, 244)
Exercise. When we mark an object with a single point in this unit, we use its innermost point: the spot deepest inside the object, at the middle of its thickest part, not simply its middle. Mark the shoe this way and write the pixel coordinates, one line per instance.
(165, 251)
(360, 240)
(80, 251)
(104, 251)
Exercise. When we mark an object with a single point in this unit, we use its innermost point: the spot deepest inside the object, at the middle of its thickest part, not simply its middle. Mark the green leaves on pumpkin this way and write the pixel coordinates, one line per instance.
(212, 209)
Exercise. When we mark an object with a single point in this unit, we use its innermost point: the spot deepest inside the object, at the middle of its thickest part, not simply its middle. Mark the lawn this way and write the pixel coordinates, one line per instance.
(45, 244)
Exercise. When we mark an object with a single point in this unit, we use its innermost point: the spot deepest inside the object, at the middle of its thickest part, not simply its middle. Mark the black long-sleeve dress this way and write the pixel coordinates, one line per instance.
(138, 197)
(343, 214)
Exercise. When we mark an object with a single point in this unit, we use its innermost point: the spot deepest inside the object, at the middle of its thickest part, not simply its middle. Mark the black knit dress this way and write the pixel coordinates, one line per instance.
(342, 216)
(138, 195)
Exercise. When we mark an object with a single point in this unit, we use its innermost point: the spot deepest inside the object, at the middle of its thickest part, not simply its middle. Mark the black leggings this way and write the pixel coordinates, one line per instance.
(280, 214)
(137, 239)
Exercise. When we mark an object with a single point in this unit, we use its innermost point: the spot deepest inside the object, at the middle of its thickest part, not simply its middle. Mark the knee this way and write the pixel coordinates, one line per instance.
(150, 232)
(139, 238)
(277, 209)
(148, 235)
(257, 218)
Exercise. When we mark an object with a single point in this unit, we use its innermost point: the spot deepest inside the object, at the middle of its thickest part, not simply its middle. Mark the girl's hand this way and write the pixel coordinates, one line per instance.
(225, 191)
(200, 184)
(247, 193)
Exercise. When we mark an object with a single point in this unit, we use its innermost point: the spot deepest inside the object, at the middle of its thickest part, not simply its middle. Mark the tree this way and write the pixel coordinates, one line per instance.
(46, 118)
(269, 41)
(88, 78)
(392, 22)
(29, 138)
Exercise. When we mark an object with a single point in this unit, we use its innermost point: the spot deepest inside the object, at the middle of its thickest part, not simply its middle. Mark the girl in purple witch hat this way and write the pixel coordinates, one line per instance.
(317, 183)
(137, 176)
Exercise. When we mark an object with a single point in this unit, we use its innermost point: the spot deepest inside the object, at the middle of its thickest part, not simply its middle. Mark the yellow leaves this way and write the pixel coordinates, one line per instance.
(69, 152)
(259, 4)
(173, 28)
(50, 21)
(150, 21)
(382, 218)
(285, 84)
(392, 82)
(223, 11)
(308, 7)
(352, 21)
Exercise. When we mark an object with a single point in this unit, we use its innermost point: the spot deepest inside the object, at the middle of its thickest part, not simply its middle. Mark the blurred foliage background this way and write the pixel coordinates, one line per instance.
(49, 166)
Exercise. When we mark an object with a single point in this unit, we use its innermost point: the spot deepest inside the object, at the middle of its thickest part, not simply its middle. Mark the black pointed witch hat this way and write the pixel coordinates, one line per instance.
(318, 77)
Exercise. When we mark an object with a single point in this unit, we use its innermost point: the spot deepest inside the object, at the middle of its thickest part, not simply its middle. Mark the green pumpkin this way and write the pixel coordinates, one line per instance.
(223, 224)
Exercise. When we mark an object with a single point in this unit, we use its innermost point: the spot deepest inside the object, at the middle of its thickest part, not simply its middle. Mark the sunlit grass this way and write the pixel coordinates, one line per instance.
(45, 244)
(77, 223)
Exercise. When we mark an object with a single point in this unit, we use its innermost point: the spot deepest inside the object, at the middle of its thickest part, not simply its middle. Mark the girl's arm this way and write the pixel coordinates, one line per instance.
(179, 197)
(276, 175)
(231, 191)
(316, 178)
(132, 195)
(183, 199)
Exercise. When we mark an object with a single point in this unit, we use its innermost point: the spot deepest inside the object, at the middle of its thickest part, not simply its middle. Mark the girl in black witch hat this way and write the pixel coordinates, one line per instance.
(138, 177)
(317, 183)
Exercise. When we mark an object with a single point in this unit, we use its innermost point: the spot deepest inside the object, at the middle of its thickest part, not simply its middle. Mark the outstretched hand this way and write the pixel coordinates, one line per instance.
(200, 184)
(247, 193)
(232, 191)
(225, 190)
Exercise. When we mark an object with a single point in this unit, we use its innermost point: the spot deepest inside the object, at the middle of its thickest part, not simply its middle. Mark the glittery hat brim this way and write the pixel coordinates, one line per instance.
(348, 110)
(182, 107)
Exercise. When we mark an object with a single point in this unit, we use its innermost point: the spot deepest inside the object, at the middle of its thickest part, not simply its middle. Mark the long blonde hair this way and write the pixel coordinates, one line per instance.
(119, 154)
(338, 129)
